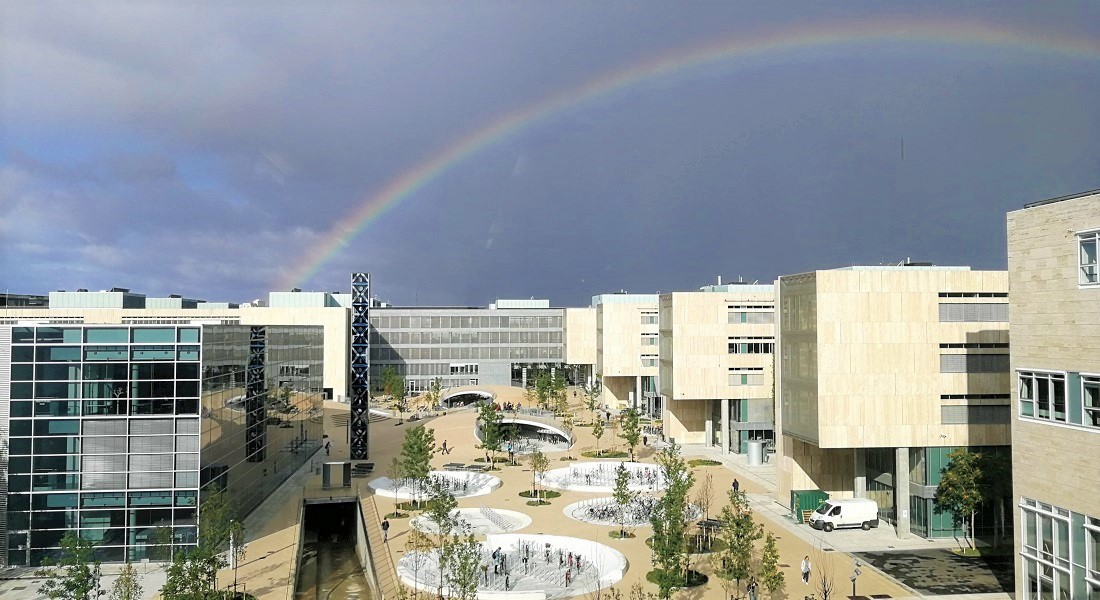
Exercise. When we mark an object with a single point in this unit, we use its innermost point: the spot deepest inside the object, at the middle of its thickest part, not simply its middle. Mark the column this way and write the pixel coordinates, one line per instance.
(859, 459)
(708, 426)
(637, 391)
(901, 491)
(724, 435)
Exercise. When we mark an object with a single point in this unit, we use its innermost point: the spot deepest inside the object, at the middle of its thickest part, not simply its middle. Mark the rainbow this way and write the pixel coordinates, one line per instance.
(794, 39)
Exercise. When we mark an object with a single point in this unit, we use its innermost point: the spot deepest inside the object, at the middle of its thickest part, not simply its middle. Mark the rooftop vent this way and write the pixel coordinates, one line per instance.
(296, 289)
(80, 290)
(174, 296)
(123, 290)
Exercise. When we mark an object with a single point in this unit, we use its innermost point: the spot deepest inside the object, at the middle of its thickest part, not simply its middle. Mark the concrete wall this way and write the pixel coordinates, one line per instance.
(686, 420)
(580, 336)
(804, 466)
(619, 345)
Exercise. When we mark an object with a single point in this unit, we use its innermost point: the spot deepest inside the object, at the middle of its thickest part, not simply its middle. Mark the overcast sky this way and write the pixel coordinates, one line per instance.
(208, 149)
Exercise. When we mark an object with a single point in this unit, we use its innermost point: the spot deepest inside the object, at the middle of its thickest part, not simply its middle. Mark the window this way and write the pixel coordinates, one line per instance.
(751, 314)
(1087, 246)
(1043, 395)
(1045, 550)
(974, 415)
(649, 360)
(1090, 399)
(977, 312)
(649, 318)
(649, 339)
(973, 363)
(751, 345)
(746, 376)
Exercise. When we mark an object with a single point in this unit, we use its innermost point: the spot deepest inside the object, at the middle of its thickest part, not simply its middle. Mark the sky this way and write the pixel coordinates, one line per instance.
(221, 150)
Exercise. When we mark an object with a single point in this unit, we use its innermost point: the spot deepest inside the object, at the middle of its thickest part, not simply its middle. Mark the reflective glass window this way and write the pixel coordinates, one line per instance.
(54, 501)
(153, 352)
(22, 372)
(22, 353)
(21, 409)
(188, 335)
(188, 352)
(57, 427)
(57, 372)
(22, 335)
(96, 353)
(22, 391)
(106, 335)
(58, 353)
(153, 335)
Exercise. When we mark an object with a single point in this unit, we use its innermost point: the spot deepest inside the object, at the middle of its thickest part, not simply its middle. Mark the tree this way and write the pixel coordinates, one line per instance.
(492, 430)
(739, 534)
(435, 390)
(127, 586)
(417, 450)
(162, 544)
(539, 466)
(597, 432)
(463, 563)
(622, 495)
(417, 546)
(557, 393)
(75, 574)
(630, 429)
(823, 578)
(960, 492)
(440, 507)
(185, 576)
(592, 392)
(669, 542)
(194, 572)
(705, 495)
(543, 392)
(996, 482)
(771, 577)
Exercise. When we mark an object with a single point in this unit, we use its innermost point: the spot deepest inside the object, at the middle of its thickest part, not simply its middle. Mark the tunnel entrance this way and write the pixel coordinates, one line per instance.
(329, 567)
(467, 398)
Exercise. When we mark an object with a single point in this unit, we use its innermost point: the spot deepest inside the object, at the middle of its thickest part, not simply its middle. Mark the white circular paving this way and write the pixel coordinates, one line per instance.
(590, 566)
(482, 521)
(599, 476)
(605, 511)
(462, 484)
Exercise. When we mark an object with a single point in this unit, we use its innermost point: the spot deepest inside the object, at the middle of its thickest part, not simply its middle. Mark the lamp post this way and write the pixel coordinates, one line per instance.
(856, 572)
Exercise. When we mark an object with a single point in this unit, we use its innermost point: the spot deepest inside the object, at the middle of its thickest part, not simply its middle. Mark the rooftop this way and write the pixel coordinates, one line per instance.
(1061, 198)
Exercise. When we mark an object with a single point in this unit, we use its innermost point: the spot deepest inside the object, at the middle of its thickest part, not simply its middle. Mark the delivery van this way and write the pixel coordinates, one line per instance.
(849, 512)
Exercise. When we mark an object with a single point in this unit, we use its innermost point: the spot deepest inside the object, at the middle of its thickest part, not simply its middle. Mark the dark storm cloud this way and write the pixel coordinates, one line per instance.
(206, 149)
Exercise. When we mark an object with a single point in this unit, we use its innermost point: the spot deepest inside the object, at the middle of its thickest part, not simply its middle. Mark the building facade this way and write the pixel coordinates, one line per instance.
(883, 371)
(117, 432)
(505, 344)
(716, 365)
(627, 350)
(1055, 334)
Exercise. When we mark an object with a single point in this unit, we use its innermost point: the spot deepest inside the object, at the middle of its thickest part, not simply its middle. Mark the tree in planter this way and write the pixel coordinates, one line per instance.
(195, 572)
(417, 450)
(622, 495)
(539, 465)
(418, 547)
(704, 496)
(823, 576)
(557, 392)
(543, 390)
(492, 430)
(630, 429)
(960, 490)
(161, 547)
(597, 432)
(75, 574)
(771, 577)
(435, 390)
(667, 519)
(439, 508)
(127, 586)
(996, 482)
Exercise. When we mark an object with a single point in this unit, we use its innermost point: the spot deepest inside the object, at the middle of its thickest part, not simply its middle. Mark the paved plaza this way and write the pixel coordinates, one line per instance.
(942, 572)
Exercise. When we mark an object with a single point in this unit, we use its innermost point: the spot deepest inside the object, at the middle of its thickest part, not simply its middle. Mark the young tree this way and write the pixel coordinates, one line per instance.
(417, 450)
(492, 430)
(128, 584)
(75, 574)
(771, 577)
(418, 547)
(739, 534)
(435, 390)
(597, 432)
(463, 563)
(161, 546)
(543, 390)
(622, 495)
(185, 576)
(704, 497)
(592, 392)
(557, 393)
(960, 491)
(539, 466)
(823, 576)
(669, 542)
(631, 429)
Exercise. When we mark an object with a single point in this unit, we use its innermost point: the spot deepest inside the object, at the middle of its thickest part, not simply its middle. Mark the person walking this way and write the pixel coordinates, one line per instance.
(752, 588)
(328, 445)
(806, 570)
(736, 485)
(385, 531)
(444, 447)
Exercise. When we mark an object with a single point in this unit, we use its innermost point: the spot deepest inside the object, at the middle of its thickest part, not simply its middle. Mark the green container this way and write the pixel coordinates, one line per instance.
(802, 500)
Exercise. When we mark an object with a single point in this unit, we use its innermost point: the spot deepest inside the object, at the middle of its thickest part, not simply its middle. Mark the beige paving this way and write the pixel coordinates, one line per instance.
(266, 571)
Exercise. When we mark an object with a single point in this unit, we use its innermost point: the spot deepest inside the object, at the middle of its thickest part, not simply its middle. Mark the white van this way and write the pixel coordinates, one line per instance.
(849, 512)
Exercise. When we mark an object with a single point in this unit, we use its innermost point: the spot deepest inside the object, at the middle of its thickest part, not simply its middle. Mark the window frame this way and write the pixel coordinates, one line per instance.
(1084, 237)
(1050, 376)
(1089, 380)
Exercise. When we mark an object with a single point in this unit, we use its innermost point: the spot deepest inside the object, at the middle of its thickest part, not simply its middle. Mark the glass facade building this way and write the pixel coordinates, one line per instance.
(464, 346)
(116, 431)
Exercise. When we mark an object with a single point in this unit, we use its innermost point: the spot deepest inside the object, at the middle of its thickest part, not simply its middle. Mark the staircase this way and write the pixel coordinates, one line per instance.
(385, 570)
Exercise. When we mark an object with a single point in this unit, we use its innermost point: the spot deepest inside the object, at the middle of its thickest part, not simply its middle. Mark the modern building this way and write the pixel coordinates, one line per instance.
(23, 300)
(511, 341)
(716, 365)
(118, 431)
(1055, 332)
(627, 357)
(883, 371)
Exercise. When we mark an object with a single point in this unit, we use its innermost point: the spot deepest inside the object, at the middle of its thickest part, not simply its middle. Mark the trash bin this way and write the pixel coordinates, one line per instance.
(756, 453)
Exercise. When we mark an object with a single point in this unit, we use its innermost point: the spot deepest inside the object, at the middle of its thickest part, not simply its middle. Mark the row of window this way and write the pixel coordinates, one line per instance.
(1057, 548)
(103, 353)
(976, 312)
(101, 444)
(649, 339)
(1043, 395)
(466, 353)
(751, 317)
(974, 415)
(104, 335)
(378, 321)
(405, 338)
(747, 376)
(105, 407)
(650, 318)
(973, 294)
(752, 345)
(104, 389)
(974, 363)
(975, 345)
(103, 481)
(650, 360)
